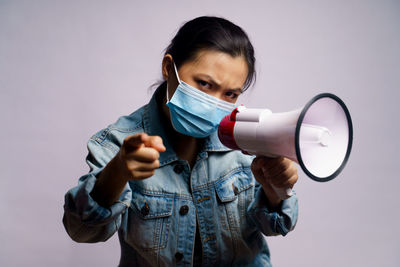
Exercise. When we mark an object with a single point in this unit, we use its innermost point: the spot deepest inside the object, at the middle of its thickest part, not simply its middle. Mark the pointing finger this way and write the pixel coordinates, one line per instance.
(155, 142)
(133, 142)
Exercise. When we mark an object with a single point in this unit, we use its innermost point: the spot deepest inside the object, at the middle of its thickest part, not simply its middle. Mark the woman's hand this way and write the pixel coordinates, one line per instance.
(137, 159)
(274, 174)
(139, 155)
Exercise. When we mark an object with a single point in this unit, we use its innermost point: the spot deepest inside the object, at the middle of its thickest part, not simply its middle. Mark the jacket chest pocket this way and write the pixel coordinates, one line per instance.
(235, 193)
(149, 221)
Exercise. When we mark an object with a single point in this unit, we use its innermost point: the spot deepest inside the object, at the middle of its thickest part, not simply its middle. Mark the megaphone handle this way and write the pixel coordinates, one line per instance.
(283, 193)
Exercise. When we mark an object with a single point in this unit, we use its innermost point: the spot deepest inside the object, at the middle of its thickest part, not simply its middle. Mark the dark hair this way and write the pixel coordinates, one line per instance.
(212, 33)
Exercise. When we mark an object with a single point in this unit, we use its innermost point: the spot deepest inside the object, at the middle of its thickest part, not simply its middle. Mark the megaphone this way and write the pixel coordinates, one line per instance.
(318, 136)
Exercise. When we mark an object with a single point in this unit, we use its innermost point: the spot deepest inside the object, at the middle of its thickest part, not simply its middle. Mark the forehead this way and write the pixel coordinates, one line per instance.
(226, 70)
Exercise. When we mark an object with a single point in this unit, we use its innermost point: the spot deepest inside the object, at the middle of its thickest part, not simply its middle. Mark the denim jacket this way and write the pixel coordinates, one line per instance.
(156, 218)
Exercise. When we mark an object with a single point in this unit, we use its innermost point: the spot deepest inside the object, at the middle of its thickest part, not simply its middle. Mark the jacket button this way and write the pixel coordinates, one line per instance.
(184, 210)
(145, 209)
(178, 168)
(178, 256)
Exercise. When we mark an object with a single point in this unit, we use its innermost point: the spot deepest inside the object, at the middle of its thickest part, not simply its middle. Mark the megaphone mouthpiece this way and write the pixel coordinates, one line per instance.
(315, 135)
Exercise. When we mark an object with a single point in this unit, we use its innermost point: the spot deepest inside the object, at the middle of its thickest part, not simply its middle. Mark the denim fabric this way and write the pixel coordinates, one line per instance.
(219, 194)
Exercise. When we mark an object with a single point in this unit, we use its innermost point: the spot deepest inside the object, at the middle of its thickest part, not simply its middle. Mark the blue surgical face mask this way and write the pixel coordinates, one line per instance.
(194, 112)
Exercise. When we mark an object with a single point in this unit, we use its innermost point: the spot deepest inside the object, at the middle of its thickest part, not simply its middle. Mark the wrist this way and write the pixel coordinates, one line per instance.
(274, 200)
(110, 183)
(118, 167)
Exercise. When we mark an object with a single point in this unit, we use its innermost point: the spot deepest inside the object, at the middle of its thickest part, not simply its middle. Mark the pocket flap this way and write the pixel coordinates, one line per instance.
(227, 188)
(151, 207)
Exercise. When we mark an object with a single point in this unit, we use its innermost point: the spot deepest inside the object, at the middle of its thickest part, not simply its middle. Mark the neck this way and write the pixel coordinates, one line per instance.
(186, 147)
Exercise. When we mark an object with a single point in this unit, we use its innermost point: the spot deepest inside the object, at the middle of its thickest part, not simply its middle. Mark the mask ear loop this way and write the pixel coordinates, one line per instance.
(177, 77)
(167, 94)
(176, 73)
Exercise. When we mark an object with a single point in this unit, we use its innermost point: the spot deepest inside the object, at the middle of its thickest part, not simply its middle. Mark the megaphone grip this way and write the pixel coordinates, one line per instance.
(283, 193)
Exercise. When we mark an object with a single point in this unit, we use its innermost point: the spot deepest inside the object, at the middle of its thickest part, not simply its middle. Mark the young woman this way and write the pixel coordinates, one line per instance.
(161, 178)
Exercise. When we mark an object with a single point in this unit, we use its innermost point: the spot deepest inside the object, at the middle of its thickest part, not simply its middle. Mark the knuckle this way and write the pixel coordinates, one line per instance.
(292, 171)
(156, 164)
(135, 175)
(147, 174)
(131, 166)
(293, 179)
(139, 175)
(287, 167)
(154, 154)
(287, 173)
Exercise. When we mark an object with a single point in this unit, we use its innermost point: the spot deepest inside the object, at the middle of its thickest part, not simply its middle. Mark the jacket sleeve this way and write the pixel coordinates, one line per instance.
(84, 219)
(273, 222)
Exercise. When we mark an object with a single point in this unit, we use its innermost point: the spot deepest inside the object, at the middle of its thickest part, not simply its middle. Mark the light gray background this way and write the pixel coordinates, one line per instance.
(70, 68)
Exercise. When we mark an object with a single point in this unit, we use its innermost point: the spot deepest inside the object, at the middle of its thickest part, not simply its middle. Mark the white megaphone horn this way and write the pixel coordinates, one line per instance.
(318, 136)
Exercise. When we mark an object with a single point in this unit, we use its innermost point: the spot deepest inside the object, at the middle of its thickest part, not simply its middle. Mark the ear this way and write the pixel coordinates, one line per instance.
(167, 66)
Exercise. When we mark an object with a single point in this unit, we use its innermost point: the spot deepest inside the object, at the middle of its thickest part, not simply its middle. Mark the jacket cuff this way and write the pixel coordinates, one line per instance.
(279, 221)
(80, 204)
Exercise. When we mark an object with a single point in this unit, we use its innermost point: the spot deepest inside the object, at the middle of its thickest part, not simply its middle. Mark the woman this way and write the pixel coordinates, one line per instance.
(161, 178)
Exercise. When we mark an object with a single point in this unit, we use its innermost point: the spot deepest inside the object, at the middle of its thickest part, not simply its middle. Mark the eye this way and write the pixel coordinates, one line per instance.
(231, 95)
(204, 84)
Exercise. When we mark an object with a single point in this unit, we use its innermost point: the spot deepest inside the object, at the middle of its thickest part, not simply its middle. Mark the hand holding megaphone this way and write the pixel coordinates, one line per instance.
(318, 136)
(276, 175)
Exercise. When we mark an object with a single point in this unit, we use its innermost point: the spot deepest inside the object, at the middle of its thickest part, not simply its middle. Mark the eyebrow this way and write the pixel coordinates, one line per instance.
(218, 84)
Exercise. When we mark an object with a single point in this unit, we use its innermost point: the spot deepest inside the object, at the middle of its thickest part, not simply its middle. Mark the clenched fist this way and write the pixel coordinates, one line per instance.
(137, 159)
(275, 175)
(139, 156)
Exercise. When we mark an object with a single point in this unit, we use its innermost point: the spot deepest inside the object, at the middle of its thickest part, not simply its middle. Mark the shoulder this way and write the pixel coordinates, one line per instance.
(113, 136)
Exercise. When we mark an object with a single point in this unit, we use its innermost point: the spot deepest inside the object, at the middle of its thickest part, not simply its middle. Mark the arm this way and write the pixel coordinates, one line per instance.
(136, 160)
(93, 209)
(273, 221)
(272, 214)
